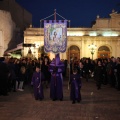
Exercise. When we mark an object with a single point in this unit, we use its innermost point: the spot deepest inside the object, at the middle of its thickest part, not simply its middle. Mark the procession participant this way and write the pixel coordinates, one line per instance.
(75, 82)
(56, 84)
(37, 79)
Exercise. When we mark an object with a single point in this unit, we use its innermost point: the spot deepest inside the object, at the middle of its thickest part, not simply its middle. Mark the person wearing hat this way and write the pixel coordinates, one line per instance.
(56, 83)
(75, 82)
(37, 79)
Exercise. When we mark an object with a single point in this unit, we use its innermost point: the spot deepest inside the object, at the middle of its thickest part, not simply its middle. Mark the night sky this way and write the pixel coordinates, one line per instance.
(80, 12)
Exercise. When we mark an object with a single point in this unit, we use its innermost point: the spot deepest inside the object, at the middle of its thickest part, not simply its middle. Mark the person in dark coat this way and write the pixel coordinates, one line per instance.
(46, 72)
(75, 81)
(99, 72)
(4, 71)
(56, 84)
(81, 69)
(37, 79)
(29, 71)
(118, 74)
(87, 67)
(22, 78)
(12, 76)
(109, 71)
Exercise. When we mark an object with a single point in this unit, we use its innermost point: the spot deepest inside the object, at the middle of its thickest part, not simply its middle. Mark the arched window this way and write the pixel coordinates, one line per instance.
(103, 52)
(73, 52)
(103, 48)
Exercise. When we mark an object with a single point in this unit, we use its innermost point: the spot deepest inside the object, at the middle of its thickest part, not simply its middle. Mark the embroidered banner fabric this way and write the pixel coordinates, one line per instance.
(55, 36)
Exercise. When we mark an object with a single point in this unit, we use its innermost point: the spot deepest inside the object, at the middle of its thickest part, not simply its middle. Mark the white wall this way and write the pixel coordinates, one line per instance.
(7, 27)
(1, 42)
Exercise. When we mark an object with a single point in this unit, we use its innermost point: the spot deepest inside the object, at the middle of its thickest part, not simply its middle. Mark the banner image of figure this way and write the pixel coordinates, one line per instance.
(55, 36)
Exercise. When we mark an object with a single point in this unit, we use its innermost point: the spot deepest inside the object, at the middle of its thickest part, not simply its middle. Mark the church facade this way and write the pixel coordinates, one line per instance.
(102, 40)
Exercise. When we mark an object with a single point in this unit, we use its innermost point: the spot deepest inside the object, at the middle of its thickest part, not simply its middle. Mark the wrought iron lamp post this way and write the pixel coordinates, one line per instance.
(92, 49)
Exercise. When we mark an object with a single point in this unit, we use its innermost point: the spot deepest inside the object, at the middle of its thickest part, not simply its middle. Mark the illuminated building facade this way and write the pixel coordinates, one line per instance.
(104, 34)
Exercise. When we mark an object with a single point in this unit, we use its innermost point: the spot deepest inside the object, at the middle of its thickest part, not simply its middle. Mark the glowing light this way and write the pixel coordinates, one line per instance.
(92, 49)
(93, 34)
(36, 45)
(71, 33)
(110, 34)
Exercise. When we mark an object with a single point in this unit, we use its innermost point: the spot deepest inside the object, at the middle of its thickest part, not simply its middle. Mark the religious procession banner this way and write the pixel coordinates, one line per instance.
(55, 36)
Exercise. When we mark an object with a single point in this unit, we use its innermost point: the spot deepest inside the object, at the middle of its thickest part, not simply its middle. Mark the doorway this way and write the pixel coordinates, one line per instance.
(103, 52)
(73, 53)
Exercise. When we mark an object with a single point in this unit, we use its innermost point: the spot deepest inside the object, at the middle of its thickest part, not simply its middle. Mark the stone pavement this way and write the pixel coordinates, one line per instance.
(96, 104)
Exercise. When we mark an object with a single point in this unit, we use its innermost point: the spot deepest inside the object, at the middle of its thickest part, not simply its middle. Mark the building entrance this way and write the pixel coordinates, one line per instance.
(103, 52)
(73, 53)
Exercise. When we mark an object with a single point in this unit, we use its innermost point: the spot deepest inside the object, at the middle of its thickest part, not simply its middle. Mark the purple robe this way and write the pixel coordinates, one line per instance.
(56, 84)
(36, 81)
(75, 81)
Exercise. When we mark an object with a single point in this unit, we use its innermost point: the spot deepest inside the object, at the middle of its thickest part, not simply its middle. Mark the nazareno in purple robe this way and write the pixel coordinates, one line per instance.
(75, 81)
(56, 84)
(37, 79)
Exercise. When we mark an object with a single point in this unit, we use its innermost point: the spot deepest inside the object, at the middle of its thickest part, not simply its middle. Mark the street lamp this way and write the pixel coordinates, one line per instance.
(92, 48)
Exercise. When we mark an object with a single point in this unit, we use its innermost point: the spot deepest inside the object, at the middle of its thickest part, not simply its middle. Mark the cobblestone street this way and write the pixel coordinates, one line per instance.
(96, 104)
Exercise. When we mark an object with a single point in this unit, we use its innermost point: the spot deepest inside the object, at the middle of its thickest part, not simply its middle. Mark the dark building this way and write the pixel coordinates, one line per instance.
(22, 19)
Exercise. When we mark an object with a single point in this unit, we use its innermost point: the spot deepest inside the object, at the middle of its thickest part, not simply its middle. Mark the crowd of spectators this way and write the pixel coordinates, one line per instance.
(103, 71)
(16, 73)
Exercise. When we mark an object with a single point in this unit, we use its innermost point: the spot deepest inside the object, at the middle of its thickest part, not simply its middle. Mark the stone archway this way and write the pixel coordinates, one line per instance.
(73, 53)
(103, 52)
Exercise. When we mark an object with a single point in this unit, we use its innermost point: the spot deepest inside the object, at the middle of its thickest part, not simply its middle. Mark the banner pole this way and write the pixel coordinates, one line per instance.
(40, 54)
(69, 64)
(55, 14)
